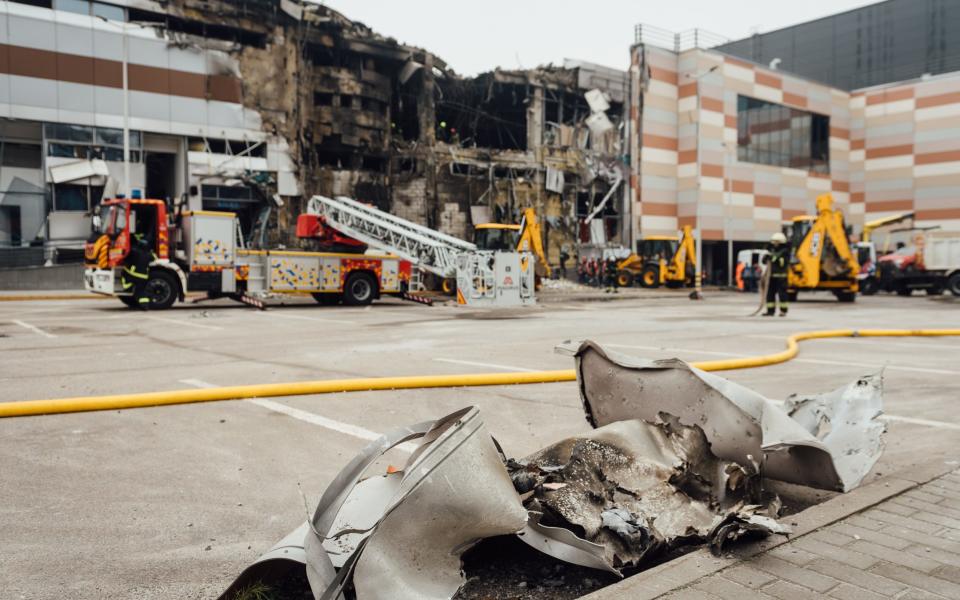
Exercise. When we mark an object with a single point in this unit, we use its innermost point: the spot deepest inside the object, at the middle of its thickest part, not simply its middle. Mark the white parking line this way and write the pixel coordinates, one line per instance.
(482, 364)
(197, 383)
(812, 361)
(186, 323)
(308, 417)
(33, 328)
(273, 313)
(924, 422)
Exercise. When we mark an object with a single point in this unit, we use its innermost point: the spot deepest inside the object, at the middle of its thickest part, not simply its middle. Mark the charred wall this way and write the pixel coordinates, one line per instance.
(365, 116)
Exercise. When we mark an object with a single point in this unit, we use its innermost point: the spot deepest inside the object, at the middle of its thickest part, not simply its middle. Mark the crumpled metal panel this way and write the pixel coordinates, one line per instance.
(454, 495)
(401, 535)
(741, 425)
(847, 421)
(637, 490)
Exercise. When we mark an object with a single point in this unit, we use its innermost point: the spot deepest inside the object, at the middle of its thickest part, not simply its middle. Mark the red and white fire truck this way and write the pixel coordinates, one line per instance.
(201, 251)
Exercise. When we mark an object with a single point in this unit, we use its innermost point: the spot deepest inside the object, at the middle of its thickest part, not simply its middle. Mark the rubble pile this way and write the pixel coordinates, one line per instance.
(677, 458)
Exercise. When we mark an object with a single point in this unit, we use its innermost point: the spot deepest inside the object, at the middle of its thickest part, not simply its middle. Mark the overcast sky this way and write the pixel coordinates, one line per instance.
(478, 35)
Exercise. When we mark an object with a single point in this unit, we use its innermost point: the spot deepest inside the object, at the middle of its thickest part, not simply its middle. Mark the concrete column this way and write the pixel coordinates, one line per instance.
(535, 118)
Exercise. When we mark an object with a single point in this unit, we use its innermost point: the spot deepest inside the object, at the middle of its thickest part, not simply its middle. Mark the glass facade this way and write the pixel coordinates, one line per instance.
(780, 136)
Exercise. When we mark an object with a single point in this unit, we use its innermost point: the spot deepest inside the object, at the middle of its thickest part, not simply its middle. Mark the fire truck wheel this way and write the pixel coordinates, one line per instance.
(360, 289)
(162, 288)
(327, 299)
(129, 301)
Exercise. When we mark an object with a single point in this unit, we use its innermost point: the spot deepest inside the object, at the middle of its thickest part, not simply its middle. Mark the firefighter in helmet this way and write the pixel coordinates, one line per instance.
(136, 269)
(778, 259)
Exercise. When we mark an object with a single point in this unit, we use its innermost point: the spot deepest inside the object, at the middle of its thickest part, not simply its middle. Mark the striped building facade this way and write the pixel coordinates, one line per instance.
(891, 149)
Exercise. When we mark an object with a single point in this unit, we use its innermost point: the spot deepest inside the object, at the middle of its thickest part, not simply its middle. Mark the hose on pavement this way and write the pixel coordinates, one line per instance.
(332, 386)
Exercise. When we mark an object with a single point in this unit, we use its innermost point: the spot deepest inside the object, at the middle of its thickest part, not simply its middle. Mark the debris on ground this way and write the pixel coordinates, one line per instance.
(677, 459)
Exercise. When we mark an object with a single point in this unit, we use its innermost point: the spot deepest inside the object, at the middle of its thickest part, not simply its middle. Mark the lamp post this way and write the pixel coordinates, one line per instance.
(124, 28)
(698, 283)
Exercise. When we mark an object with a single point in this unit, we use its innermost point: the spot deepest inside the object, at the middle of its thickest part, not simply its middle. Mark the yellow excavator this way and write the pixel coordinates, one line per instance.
(822, 258)
(525, 237)
(661, 260)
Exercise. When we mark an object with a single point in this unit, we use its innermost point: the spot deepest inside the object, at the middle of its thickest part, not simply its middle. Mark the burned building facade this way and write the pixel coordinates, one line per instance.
(253, 106)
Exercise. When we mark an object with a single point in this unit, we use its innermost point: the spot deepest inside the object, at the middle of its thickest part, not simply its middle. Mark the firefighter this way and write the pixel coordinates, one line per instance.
(136, 270)
(779, 260)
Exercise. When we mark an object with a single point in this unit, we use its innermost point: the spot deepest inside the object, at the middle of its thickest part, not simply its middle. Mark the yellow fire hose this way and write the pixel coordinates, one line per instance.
(301, 388)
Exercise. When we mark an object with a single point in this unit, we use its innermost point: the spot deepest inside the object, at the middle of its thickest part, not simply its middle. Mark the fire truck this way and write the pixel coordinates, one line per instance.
(203, 251)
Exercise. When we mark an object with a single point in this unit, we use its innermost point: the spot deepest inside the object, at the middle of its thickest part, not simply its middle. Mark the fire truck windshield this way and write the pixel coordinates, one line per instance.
(113, 218)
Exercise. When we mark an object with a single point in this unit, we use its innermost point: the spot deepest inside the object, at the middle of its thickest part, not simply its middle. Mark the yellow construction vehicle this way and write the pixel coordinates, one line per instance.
(821, 255)
(525, 237)
(661, 260)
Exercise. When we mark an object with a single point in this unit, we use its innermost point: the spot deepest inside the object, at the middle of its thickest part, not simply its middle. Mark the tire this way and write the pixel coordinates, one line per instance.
(128, 301)
(327, 299)
(869, 286)
(650, 277)
(904, 291)
(846, 296)
(360, 289)
(953, 284)
(163, 288)
(934, 291)
(624, 278)
(792, 296)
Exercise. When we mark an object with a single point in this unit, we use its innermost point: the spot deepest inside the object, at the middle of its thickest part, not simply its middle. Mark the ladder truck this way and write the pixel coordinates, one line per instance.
(490, 278)
(202, 251)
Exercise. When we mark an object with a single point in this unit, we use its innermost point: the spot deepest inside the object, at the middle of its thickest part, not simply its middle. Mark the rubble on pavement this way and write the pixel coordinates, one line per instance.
(677, 458)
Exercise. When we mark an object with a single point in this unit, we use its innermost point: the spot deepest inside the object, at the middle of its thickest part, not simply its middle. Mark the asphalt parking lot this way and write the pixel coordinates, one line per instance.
(174, 501)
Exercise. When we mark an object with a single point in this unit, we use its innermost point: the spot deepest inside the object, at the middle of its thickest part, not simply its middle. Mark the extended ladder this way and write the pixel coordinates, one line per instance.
(426, 248)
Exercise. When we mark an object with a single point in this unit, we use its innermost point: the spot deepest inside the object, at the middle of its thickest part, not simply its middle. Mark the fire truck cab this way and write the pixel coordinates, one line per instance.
(203, 251)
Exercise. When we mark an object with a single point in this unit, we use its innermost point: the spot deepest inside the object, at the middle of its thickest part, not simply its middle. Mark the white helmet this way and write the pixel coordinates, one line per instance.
(778, 238)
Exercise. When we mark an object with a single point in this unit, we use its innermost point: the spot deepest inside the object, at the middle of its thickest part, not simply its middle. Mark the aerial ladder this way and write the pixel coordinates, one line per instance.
(426, 248)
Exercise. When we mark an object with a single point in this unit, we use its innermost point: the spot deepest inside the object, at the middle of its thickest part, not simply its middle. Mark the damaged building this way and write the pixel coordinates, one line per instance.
(254, 106)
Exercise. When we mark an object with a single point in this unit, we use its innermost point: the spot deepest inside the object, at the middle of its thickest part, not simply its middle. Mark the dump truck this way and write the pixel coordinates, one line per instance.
(821, 256)
(930, 263)
(661, 260)
(204, 251)
(867, 251)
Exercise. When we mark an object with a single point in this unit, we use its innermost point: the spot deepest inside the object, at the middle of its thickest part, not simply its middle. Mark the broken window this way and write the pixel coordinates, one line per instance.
(483, 113)
(346, 101)
(322, 99)
(240, 36)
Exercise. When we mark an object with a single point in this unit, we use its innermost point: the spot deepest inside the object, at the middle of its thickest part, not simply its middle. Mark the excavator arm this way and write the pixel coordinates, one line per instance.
(531, 239)
(809, 255)
(686, 253)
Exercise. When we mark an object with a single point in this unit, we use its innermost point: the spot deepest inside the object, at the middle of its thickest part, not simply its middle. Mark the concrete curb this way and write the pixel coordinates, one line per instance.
(688, 569)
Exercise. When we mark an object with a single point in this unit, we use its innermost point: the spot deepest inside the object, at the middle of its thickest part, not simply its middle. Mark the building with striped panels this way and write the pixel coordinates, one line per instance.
(734, 149)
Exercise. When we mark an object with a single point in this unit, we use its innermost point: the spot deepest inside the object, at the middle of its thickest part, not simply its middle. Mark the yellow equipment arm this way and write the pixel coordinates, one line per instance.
(870, 226)
(686, 252)
(531, 239)
(828, 226)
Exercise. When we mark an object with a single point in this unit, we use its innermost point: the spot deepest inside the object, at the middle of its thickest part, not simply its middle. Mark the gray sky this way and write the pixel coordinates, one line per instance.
(479, 35)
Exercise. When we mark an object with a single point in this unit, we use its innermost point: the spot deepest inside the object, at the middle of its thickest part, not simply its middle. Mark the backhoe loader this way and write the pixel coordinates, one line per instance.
(821, 255)
(660, 260)
(525, 237)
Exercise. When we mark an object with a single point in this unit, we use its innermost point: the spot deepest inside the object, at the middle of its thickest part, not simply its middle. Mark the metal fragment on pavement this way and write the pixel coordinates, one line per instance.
(741, 425)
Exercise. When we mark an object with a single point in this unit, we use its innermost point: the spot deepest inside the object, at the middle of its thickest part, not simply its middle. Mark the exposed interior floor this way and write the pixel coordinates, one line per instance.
(174, 501)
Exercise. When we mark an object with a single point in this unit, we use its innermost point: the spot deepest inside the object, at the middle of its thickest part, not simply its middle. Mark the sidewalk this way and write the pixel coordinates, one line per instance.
(896, 538)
